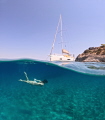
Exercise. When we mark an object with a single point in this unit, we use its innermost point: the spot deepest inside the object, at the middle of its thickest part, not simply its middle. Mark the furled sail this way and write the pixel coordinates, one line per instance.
(65, 51)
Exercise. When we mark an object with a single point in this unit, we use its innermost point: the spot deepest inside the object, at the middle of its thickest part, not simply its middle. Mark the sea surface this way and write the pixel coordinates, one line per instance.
(75, 91)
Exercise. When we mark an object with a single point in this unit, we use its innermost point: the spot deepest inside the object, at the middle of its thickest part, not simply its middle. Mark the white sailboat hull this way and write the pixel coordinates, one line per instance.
(61, 58)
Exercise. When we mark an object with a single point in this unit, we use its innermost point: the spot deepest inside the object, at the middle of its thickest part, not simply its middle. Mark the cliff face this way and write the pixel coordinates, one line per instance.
(93, 54)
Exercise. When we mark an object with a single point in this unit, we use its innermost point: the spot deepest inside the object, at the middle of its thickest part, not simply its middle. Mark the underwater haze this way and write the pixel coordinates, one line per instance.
(75, 91)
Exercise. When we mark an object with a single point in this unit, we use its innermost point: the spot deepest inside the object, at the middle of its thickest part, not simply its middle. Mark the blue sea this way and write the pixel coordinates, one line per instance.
(75, 91)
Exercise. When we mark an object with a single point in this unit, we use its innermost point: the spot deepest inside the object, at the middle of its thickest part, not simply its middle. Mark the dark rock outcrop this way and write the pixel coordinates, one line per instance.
(93, 54)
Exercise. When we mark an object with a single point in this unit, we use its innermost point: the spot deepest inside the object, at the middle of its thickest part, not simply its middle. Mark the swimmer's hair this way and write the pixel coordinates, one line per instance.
(45, 81)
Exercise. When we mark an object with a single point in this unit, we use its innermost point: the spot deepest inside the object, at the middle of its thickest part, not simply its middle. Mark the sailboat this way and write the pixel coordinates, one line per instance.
(65, 55)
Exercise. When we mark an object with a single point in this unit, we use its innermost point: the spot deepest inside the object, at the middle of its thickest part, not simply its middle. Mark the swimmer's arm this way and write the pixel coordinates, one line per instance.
(37, 80)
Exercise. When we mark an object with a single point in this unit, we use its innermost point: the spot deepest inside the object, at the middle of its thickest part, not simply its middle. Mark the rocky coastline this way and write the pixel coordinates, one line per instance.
(92, 54)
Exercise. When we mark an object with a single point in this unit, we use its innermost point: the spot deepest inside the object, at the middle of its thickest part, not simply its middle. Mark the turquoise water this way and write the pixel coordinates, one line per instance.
(75, 91)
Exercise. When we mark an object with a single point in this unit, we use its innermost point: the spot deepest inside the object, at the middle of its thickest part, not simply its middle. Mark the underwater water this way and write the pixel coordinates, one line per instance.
(75, 91)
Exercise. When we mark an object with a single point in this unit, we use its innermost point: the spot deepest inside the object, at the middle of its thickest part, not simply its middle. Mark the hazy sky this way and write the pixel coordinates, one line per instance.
(27, 27)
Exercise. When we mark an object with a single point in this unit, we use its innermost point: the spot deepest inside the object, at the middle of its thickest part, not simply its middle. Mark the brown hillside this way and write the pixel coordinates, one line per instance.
(93, 54)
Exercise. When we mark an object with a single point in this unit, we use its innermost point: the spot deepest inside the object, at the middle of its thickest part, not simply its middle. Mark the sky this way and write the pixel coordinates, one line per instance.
(27, 27)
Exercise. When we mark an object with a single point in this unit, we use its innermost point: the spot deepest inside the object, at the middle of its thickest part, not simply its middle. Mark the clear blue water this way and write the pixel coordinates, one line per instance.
(75, 91)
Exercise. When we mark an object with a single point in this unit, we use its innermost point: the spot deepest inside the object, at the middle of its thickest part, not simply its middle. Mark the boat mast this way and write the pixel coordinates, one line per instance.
(61, 31)
(56, 34)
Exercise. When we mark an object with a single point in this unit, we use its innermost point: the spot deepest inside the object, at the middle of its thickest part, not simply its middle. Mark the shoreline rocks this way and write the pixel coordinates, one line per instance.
(93, 54)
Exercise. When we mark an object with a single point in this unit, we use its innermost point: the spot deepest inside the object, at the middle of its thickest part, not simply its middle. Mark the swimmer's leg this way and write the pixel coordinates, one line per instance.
(26, 76)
